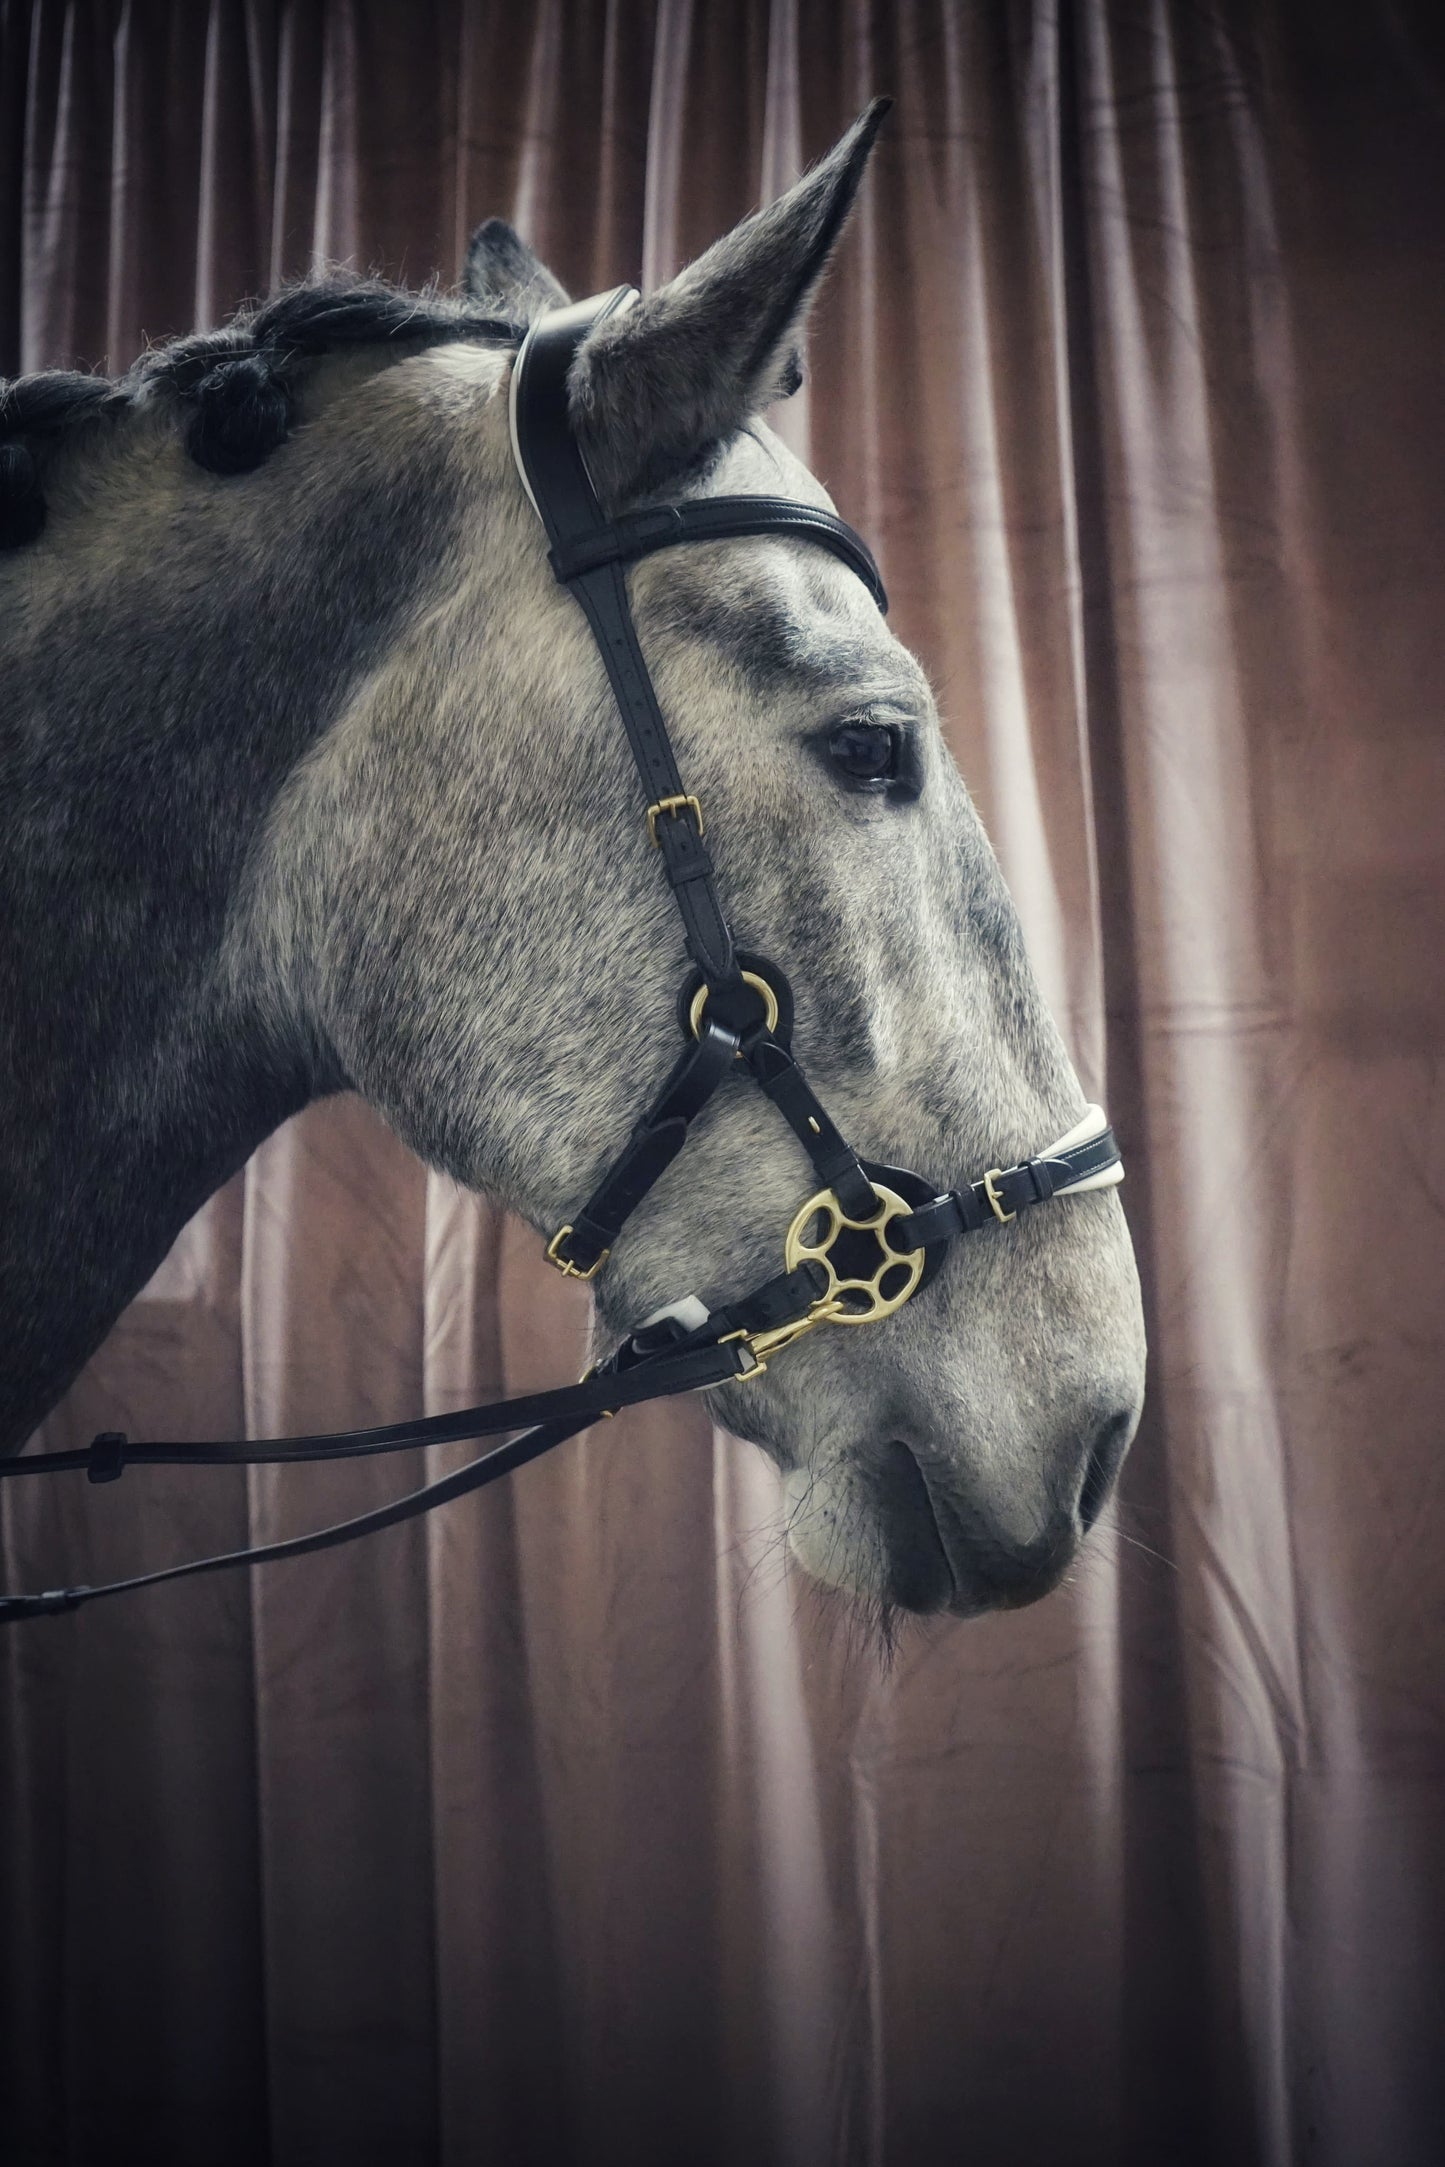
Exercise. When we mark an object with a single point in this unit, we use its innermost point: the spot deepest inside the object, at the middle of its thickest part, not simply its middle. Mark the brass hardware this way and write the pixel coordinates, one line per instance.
(869, 1291)
(832, 1306)
(675, 806)
(762, 1344)
(750, 978)
(565, 1266)
(813, 1125)
(996, 1201)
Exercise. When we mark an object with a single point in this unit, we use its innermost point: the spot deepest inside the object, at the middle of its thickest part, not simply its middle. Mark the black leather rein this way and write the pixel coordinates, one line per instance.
(856, 1251)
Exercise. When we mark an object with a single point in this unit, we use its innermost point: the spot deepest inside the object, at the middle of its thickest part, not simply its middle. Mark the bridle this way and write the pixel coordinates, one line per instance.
(856, 1251)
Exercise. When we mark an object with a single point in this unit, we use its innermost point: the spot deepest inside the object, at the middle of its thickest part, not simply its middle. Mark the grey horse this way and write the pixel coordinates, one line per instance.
(310, 781)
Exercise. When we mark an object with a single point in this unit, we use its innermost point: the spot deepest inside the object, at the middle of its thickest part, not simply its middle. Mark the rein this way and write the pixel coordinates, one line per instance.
(861, 1246)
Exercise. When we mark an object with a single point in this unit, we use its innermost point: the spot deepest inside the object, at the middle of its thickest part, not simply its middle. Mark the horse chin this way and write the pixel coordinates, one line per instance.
(868, 1526)
(883, 1549)
(861, 1521)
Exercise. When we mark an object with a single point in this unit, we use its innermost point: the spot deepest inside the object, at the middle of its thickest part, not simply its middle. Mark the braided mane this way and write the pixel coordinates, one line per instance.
(235, 387)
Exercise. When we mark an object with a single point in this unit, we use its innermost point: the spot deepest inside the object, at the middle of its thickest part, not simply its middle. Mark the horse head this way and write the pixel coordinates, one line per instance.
(495, 958)
(437, 887)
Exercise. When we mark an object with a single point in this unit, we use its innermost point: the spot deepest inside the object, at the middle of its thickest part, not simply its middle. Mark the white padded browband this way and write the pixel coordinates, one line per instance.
(1093, 1124)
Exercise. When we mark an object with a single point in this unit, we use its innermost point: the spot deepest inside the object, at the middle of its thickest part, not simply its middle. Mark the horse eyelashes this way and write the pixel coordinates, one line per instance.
(878, 758)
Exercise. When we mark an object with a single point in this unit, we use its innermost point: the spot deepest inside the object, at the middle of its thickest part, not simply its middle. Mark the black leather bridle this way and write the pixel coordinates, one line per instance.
(856, 1251)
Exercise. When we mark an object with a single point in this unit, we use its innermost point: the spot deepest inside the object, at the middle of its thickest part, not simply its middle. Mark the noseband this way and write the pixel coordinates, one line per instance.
(857, 1249)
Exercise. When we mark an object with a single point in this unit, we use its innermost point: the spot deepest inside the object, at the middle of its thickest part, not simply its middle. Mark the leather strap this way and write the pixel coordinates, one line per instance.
(555, 472)
(551, 1417)
(548, 455)
(777, 1301)
(501, 1460)
(653, 1145)
(711, 1355)
(1003, 1194)
(685, 856)
(834, 1160)
(595, 1396)
(714, 519)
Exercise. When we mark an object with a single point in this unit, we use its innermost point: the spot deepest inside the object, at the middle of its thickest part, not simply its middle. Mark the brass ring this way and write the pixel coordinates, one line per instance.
(750, 978)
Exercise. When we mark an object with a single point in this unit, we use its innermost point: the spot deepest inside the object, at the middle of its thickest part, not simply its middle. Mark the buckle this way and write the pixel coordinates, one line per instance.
(677, 807)
(772, 1341)
(565, 1266)
(990, 1190)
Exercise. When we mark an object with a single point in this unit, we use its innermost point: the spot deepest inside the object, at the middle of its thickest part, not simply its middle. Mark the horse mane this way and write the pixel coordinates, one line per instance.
(236, 386)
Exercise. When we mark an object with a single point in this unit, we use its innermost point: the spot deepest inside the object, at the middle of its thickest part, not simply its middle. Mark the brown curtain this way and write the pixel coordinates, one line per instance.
(568, 1827)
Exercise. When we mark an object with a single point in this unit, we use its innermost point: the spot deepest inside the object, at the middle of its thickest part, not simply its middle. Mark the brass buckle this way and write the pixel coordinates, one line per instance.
(675, 806)
(565, 1266)
(761, 1344)
(995, 1200)
(750, 978)
(841, 1294)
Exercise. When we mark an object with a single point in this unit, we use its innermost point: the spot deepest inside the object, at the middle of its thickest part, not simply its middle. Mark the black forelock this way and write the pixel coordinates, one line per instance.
(235, 385)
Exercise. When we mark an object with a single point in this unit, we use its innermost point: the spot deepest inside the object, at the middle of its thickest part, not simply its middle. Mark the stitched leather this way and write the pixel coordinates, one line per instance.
(776, 1301)
(570, 513)
(565, 1413)
(834, 1161)
(685, 856)
(705, 1364)
(653, 1145)
(561, 486)
(712, 519)
(1032, 1181)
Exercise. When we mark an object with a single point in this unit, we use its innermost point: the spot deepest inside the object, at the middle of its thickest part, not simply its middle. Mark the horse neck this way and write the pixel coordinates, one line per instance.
(172, 651)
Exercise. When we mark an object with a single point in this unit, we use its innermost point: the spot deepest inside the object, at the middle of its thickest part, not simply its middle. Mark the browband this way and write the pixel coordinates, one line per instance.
(553, 470)
(716, 519)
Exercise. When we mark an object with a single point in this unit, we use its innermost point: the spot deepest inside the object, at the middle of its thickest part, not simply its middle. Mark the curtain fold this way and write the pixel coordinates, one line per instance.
(570, 1825)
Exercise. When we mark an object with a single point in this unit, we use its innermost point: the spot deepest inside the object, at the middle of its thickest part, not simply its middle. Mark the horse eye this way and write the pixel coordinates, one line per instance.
(866, 752)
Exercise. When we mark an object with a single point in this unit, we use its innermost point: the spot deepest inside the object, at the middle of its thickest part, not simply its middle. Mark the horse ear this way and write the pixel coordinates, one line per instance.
(503, 273)
(655, 390)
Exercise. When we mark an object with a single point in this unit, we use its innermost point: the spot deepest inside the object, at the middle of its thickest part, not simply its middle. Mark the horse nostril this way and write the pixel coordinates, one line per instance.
(1103, 1465)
